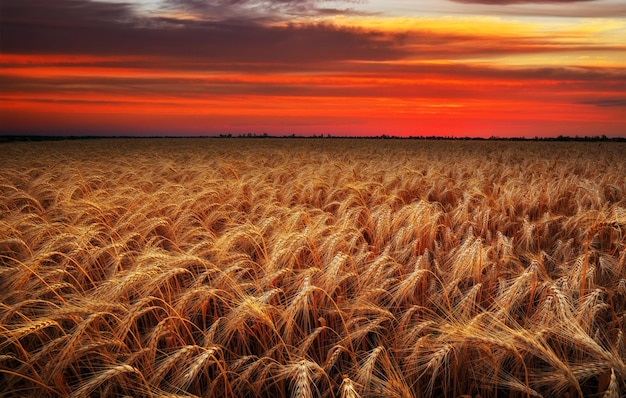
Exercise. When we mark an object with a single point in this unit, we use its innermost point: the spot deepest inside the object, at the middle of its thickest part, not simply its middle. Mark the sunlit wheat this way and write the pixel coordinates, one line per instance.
(312, 268)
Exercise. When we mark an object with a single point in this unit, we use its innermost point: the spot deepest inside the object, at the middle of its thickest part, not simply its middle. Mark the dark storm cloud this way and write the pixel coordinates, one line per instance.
(61, 13)
(97, 28)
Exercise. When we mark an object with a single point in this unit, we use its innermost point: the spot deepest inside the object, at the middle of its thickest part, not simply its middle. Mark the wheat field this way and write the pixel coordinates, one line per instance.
(312, 268)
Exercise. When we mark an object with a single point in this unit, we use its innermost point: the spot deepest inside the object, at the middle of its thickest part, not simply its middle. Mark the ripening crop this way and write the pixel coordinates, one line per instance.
(312, 268)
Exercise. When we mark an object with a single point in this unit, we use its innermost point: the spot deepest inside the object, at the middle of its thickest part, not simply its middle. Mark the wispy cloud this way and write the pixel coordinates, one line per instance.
(606, 102)
(508, 2)
(548, 8)
(262, 10)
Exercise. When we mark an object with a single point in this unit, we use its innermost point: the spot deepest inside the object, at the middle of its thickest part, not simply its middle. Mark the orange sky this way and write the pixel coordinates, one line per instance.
(172, 67)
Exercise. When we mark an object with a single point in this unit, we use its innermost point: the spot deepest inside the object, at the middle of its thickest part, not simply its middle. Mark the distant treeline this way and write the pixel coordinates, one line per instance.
(602, 138)
(434, 137)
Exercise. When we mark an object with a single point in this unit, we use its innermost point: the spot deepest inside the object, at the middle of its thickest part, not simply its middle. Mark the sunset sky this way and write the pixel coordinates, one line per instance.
(505, 68)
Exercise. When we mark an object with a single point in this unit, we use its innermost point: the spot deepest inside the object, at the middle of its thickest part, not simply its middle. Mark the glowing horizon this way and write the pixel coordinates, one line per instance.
(491, 68)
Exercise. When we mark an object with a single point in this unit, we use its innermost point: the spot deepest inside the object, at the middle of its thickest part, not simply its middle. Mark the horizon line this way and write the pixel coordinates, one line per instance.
(560, 138)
